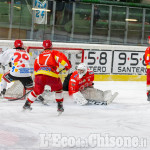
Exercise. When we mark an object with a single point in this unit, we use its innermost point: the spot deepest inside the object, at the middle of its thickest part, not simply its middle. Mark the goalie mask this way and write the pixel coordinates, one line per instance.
(82, 69)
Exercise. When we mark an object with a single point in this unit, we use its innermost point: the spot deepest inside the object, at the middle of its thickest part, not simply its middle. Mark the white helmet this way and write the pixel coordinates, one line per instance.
(83, 67)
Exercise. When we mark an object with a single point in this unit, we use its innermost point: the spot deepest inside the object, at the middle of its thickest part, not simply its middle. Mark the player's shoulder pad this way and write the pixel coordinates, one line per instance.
(55, 51)
(9, 51)
(74, 75)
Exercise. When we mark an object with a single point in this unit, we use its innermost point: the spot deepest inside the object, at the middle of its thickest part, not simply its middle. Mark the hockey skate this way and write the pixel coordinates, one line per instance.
(148, 96)
(60, 108)
(27, 106)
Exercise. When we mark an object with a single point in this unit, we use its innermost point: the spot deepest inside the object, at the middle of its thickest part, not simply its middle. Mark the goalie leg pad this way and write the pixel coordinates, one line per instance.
(107, 95)
(93, 94)
(99, 97)
(112, 98)
(79, 98)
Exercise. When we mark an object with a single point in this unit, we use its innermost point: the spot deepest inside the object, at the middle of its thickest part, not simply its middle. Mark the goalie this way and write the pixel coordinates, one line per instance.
(80, 85)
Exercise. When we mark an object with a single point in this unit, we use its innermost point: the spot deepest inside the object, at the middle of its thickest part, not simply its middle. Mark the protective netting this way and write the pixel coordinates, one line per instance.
(16, 90)
(75, 55)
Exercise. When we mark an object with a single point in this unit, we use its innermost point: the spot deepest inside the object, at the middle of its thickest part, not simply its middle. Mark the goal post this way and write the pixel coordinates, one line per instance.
(75, 55)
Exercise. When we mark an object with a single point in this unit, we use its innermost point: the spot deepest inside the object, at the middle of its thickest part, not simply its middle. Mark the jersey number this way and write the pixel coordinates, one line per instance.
(44, 59)
(19, 56)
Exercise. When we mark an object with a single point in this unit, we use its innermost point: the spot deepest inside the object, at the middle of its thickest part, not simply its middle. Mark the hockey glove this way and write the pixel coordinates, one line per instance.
(10, 64)
(3, 67)
(79, 98)
(67, 67)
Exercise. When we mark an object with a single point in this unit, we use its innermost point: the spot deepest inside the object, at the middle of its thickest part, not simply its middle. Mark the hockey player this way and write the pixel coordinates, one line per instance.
(147, 62)
(20, 69)
(80, 85)
(46, 68)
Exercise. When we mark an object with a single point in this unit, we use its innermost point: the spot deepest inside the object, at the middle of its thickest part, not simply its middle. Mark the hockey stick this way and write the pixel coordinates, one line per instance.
(62, 70)
(20, 97)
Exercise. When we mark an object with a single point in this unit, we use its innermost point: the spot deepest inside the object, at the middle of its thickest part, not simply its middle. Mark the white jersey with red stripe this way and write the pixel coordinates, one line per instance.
(20, 62)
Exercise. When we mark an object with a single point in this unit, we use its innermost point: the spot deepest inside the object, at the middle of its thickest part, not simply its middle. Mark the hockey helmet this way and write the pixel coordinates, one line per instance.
(18, 43)
(47, 44)
(82, 69)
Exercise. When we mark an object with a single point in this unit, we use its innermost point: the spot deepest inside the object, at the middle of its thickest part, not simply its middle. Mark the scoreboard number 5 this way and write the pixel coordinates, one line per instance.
(134, 60)
(102, 58)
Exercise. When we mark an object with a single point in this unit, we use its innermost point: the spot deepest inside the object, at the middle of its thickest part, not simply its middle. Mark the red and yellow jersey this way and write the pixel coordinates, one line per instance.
(147, 57)
(78, 84)
(48, 63)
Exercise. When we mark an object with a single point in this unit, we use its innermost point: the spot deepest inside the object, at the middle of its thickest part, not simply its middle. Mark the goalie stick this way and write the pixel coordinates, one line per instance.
(93, 102)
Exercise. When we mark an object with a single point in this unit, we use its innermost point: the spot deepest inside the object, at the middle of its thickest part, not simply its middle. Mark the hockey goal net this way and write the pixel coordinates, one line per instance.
(75, 55)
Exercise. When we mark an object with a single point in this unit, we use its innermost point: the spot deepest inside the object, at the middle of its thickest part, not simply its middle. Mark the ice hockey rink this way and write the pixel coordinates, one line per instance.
(124, 124)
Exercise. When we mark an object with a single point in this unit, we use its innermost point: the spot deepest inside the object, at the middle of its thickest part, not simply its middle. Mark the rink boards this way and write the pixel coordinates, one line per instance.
(108, 62)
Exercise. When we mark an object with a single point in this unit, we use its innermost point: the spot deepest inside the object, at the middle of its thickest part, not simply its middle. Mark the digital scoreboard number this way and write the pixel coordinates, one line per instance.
(99, 61)
(128, 62)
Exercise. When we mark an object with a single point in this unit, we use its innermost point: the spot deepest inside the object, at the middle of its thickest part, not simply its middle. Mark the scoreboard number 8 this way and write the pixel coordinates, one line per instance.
(102, 58)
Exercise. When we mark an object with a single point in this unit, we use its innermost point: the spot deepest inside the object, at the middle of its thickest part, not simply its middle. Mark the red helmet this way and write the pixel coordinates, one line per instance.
(47, 44)
(149, 37)
(18, 43)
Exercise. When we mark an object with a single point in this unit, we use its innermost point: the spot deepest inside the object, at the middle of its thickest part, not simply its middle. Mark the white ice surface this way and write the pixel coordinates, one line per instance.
(128, 116)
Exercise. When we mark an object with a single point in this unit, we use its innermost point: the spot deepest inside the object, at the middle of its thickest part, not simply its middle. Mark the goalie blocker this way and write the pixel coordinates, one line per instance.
(80, 85)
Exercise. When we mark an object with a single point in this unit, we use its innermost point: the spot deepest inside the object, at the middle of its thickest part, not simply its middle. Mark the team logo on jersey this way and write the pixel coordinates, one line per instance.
(45, 68)
(24, 70)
